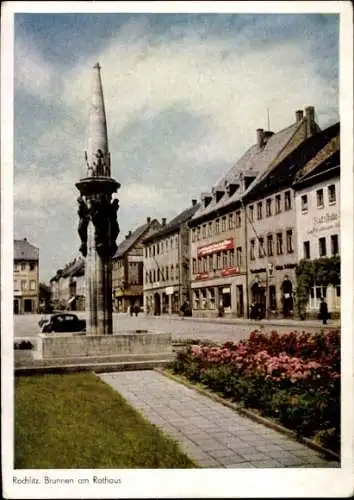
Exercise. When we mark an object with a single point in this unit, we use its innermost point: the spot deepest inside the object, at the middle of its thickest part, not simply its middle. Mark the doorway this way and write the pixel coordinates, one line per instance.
(28, 305)
(239, 301)
(157, 304)
(16, 307)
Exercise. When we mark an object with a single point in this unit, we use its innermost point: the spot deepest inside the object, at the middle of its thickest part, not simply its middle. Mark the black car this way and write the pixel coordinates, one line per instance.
(62, 322)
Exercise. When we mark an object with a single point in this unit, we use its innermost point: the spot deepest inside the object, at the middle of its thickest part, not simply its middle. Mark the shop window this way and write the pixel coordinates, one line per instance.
(272, 298)
(250, 213)
(223, 224)
(334, 244)
(319, 197)
(252, 249)
(270, 245)
(259, 210)
(279, 244)
(238, 218)
(307, 252)
(332, 194)
(261, 247)
(211, 293)
(304, 203)
(322, 247)
(268, 207)
(239, 256)
(289, 241)
(287, 200)
(277, 204)
(203, 302)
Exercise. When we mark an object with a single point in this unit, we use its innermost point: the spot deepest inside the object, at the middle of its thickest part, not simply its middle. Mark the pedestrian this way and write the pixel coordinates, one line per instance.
(323, 311)
(136, 308)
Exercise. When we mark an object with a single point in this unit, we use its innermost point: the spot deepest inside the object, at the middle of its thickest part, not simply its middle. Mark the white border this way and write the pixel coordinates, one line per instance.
(178, 483)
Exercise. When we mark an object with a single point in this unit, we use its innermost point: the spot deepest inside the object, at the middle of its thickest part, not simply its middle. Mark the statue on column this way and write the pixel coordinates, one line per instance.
(83, 213)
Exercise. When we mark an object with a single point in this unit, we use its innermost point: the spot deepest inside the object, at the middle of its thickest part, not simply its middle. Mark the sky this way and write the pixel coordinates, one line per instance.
(184, 95)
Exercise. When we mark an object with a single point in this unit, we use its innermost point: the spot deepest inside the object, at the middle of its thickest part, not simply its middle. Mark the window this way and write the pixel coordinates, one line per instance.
(270, 245)
(158, 248)
(279, 244)
(217, 226)
(239, 256)
(238, 218)
(223, 224)
(197, 235)
(16, 285)
(259, 210)
(332, 194)
(319, 196)
(210, 229)
(250, 213)
(23, 266)
(194, 266)
(23, 285)
(231, 257)
(252, 248)
(218, 260)
(231, 221)
(304, 203)
(268, 207)
(334, 244)
(199, 265)
(287, 200)
(205, 264)
(32, 266)
(338, 291)
(261, 247)
(177, 272)
(33, 285)
(224, 259)
(204, 231)
(289, 241)
(307, 253)
(210, 262)
(277, 204)
(167, 273)
(193, 234)
(322, 247)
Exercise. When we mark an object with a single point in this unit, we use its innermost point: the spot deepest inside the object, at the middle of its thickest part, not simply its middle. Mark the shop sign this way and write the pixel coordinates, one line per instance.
(202, 276)
(324, 222)
(220, 246)
(169, 290)
(230, 271)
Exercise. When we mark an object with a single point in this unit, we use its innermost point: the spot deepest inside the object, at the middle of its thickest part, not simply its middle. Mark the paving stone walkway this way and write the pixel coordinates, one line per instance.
(212, 434)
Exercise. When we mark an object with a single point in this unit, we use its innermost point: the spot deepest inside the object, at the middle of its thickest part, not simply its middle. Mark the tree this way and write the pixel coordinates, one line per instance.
(45, 293)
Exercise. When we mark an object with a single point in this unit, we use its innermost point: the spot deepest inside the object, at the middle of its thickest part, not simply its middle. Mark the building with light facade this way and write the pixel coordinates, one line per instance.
(220, 230)
(166, 265)
(26, 277)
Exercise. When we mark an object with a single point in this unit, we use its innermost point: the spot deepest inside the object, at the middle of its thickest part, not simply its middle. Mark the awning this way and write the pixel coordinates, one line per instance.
(71, 300)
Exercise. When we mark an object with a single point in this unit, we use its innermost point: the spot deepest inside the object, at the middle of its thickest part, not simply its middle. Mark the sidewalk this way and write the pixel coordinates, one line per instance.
(291, 323)
(210, 433)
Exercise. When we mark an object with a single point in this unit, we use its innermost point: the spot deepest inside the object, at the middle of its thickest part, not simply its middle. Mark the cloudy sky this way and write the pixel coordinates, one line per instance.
(184, 96)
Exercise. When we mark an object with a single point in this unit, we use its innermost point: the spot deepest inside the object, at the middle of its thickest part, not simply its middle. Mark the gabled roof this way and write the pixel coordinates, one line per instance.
(126, 244)
(23, 250)
(286, 171)
(255, 161)
(174, 224)
(330, 167)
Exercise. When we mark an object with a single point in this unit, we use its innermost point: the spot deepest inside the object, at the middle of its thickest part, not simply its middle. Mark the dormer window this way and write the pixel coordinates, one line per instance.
(218, 195)
(231, 189)
(206, 199)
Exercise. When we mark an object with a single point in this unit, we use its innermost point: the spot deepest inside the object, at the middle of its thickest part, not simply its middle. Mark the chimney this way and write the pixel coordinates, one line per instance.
(310, 120)
(299, 114)
(163, 221)
(260, 137)
(148, 220)
(194, 202)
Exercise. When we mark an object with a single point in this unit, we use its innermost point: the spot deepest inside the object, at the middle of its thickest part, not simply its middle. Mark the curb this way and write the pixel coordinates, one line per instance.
(250, 414)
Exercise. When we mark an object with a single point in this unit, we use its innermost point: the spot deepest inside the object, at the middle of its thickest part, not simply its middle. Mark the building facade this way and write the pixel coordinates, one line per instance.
(127, 273)
(68, 286)
(166, 265)
(26, 277)
(317, 199)
(220, 229)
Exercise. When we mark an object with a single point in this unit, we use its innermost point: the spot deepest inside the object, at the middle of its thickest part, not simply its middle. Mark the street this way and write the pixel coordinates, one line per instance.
(213, 329)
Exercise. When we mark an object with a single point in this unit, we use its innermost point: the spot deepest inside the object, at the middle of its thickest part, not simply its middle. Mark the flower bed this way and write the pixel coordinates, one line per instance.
(293, 378)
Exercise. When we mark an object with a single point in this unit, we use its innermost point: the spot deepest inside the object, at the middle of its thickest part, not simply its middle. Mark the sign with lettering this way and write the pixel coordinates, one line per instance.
(230, 271)
(324, 222)
(219, 246)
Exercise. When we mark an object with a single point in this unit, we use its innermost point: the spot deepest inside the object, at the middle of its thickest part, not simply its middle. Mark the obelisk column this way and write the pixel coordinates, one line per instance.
(98, 226)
